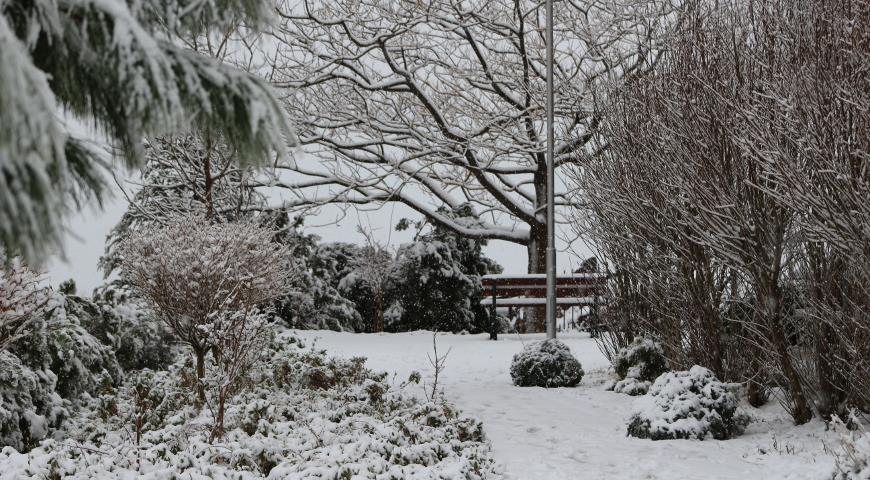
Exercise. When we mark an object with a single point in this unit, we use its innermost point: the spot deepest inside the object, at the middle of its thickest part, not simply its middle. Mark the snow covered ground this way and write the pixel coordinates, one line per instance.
(579, 433)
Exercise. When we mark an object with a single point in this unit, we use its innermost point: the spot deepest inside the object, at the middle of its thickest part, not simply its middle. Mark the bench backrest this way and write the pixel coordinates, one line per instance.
(535, 285)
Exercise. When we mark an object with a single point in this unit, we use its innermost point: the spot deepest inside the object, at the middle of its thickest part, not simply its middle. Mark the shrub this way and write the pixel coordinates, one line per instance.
(81, 362)
(198, 276)
(138, 338)
(361, 426)
(687, 404)
(29, 406)
(547, 363)
(22, 296)
(637, 365)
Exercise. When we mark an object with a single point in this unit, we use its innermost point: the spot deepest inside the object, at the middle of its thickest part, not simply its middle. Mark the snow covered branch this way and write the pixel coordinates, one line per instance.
(438, 104)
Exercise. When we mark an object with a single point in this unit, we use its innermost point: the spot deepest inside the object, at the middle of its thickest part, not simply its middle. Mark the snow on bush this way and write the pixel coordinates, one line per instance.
(852, 459)
(22, 296)
(197, 274)
(29, 406)
(303, 416)
(52, 363)
(138, 338)
(547, 363)
(81, 362)
(689, 404)
(637, 365)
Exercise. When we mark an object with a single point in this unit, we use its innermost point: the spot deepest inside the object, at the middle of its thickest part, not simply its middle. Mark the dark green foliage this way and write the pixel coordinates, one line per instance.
(548, 364)
(431, 289)
(81, 362)
(29, 406)
(316, 302)
(138, 339)
(644, 360)
(436, 280)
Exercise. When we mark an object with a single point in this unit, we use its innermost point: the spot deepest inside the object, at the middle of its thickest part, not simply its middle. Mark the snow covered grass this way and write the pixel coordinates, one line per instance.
(852, 455)
(570, 433)
(304, 416)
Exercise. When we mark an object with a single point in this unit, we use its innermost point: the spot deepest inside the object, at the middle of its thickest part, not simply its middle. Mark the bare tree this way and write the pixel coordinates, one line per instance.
(734, 189)
(196, 274)
(371, 271)
(812, 137)
(441, 103)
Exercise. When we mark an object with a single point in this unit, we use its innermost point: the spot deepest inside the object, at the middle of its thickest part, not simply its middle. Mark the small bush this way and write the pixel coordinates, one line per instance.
(29, 407)
(689, 404)
(137, 337)
(548, 364)
(637, 365)
(81, 362)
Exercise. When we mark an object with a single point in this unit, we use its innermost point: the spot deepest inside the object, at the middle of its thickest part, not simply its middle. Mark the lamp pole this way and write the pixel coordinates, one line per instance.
(551, 197)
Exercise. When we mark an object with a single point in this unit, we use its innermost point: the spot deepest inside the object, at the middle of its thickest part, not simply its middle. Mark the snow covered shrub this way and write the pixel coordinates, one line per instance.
(637, 365)
(137, 337)
(431, 288)
(238, 338)
(315, 302)
(196, 273)
(22, 296)
(280, 428)
(689, 404)
(29, 406)
(852, 459)
(139, 340)
(547, 363)
(58, 342)
(81, 362)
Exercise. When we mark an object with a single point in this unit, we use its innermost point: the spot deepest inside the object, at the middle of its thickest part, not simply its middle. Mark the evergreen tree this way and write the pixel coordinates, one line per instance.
(116, 65)
(430, 290)
(436, 282)
(315, 302)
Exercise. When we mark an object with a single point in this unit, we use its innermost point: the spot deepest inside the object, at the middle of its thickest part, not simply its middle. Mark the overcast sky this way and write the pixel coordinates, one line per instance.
(87, 234)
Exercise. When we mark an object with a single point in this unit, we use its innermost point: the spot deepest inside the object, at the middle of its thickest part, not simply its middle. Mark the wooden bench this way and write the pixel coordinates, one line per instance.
(573, 290)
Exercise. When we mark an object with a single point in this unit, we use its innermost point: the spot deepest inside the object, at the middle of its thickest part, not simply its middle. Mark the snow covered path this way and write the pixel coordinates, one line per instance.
(579, 433)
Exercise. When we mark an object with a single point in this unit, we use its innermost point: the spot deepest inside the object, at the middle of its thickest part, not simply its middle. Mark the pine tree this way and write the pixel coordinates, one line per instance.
(118, 66)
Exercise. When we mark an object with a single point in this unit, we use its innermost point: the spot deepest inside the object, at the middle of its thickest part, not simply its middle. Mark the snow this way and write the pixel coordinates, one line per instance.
(556, 434)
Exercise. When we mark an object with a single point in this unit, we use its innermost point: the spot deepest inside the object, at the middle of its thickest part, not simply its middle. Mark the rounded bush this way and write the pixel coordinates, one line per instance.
(637, 365)
(547, 363)
(689, 404)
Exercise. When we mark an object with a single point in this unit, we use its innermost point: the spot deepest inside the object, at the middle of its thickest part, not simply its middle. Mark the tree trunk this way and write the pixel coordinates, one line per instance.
(200, 375)
(378, 317)
(536, 316)
(770, 303)
(218, 429)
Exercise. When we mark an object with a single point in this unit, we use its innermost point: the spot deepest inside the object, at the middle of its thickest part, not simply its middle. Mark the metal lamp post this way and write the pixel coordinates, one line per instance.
(551, 206)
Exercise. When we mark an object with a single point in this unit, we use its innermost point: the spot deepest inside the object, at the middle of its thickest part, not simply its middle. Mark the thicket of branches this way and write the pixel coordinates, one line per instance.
(732, 203)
